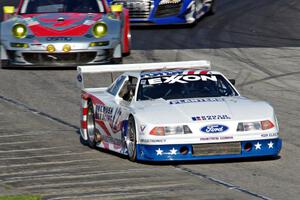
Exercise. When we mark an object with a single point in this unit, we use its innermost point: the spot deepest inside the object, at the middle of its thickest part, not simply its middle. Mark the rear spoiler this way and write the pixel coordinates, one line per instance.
(139, 67)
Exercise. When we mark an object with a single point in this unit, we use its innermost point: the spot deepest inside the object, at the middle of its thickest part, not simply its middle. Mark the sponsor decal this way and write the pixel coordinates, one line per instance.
(172, 72)
(214, 128)
(269, 135)
(196, 100)
(153, 140)
(54, 39)
(110, 115)
(116, 123)
(216, 138)
(180, 79)
(210, 117)
(103, 112)
(143, 127)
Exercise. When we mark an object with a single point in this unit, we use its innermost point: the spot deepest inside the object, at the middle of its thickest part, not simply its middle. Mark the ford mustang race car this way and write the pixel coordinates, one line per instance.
(174, 111)
(159, 12)
(65, 33)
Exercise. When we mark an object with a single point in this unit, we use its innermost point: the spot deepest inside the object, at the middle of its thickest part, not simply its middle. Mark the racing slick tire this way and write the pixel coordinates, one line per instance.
(5, 64)
(212, 8)
(131, 139)
(117, 61)
(91, 133)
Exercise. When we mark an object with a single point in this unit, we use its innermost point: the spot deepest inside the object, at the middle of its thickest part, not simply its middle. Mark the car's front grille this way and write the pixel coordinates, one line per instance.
(137, 8)
(217, 149)
(167, 10)
(41, 58)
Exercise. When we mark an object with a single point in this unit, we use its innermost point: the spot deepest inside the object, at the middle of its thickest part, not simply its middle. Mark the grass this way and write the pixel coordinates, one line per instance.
(20, 197)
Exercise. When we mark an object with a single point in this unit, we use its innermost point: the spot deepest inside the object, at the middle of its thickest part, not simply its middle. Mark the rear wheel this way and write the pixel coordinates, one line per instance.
(131, 139)
(91, 136)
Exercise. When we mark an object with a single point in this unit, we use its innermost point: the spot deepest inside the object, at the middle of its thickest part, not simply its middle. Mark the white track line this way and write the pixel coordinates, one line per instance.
(62, 185)
(71, 168)
(122, 193)
(50, 163)
(86, 174)
(31, 149)
(49, 155)
(34, 133)
(19, 142)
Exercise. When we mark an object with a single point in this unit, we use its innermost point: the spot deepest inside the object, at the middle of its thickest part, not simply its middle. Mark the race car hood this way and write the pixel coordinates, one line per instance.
(60, 24)
(181, 111)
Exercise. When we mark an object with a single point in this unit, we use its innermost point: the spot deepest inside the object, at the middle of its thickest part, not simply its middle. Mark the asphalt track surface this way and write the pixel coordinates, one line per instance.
(255, 42)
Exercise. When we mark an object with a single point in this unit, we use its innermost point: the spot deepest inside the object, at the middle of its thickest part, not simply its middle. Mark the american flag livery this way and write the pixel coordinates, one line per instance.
(175, 111)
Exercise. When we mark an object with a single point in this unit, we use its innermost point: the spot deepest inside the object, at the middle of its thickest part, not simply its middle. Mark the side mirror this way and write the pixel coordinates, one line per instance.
(232, 81)
(117, 8)
(8, 9)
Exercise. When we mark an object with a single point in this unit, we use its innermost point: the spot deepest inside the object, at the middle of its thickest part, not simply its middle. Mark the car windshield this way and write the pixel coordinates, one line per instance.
(184, 86)
(58, 6)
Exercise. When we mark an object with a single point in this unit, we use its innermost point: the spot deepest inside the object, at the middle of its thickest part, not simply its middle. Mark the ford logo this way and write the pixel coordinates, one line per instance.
(214, 128)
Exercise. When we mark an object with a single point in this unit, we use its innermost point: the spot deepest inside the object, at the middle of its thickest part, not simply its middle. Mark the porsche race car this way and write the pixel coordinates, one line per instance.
(174, 111)
(164, 12)
(65, 33)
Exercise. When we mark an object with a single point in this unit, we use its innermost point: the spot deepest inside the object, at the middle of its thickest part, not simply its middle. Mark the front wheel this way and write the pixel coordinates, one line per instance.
(211, 6)
(117, 61)
(5, 64)
(131, 139)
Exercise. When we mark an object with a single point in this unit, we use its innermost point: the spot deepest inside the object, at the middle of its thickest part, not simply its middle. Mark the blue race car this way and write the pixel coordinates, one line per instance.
(162, 12)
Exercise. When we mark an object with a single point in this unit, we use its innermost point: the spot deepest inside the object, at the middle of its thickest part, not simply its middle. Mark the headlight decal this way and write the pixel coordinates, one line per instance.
(99, 29)
(19, 30)
(170, 130)
(255, 126)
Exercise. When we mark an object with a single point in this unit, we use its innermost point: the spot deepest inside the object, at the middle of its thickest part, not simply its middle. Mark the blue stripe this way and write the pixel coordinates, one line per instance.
(149, 152)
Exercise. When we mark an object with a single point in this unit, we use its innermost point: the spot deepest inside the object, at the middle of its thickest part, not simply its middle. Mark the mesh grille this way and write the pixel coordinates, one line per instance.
(137, 8)
(59, 58)
(167, 10)
(217, 149)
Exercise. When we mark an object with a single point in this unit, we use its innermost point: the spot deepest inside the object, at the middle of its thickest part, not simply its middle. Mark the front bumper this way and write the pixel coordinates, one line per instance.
(254, 148)
(80, 53)
(162, 12)
(150, 12)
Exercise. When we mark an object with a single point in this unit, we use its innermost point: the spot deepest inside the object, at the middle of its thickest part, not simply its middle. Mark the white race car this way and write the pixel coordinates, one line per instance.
(175, 111)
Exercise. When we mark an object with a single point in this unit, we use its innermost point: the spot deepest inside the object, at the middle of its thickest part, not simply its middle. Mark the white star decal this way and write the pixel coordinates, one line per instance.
(159, 151)
(257, 146)
(270, 144)
(173, 151)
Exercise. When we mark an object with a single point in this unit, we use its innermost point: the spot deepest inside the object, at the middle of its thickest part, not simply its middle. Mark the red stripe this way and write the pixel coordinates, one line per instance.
(83, 124)
(84, 111)
(103, 126)
(105, 144)
(126, 31)
(117, 146)
(41, 31)
(84, 96)
(95, 100)
(204, 72)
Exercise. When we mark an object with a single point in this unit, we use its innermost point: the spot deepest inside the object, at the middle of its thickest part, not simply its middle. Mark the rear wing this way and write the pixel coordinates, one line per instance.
(139, 67)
